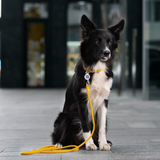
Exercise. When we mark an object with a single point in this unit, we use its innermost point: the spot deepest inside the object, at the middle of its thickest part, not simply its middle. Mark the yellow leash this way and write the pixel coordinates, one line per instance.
(53, 148)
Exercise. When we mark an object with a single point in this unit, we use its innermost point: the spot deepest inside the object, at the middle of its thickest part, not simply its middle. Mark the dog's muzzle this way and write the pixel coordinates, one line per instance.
(106, 55)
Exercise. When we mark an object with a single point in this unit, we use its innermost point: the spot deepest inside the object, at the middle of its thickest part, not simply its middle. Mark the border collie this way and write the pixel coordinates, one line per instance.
(74, 124)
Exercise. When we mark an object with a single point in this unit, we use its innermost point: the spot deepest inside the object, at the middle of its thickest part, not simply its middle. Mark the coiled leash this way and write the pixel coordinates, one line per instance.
(53, 148)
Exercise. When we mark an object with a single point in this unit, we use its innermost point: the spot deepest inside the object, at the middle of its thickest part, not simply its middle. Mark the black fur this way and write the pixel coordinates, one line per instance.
(74, 117)
(106, 103)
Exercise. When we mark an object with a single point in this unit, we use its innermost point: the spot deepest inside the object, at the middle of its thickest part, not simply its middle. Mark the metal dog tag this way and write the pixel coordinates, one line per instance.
(87, 77)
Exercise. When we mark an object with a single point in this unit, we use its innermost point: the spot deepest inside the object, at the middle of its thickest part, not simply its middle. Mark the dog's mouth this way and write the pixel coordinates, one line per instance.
(105, 58)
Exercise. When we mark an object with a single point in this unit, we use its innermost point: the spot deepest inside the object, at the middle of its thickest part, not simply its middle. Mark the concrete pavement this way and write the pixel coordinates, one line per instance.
(27, 116)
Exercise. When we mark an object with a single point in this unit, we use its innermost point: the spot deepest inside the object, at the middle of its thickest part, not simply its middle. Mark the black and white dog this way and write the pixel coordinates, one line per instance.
(74, 124)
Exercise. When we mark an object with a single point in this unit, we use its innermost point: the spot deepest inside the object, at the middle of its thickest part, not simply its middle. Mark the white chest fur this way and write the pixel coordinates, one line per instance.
(100, 87)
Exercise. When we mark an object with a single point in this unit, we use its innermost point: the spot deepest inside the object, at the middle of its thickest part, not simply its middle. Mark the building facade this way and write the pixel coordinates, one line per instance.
(40, 42)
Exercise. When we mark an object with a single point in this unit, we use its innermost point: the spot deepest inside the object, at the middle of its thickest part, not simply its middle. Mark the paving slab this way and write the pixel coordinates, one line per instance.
(27, 116)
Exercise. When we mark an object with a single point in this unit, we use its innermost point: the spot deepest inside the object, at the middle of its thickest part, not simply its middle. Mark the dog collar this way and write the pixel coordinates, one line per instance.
(90, 71)
(87, 76)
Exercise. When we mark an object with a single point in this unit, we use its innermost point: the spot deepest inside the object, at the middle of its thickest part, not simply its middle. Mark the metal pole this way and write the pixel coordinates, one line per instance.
(145, 71)
(134, 37)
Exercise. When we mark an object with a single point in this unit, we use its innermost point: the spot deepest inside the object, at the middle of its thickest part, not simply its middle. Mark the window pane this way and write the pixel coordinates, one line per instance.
(35, 10)
(157, 11)
(75, 11)
(148, 10)
(151, 53)
(0, 59)
(0, 7)
(35, 54)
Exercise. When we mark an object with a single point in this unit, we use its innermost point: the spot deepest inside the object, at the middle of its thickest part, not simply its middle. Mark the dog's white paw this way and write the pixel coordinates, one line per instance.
(91, 146)
(58, 145)
(104, 147)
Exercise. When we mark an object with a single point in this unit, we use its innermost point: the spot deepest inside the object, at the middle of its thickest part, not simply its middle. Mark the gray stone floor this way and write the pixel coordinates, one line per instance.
(26, 120)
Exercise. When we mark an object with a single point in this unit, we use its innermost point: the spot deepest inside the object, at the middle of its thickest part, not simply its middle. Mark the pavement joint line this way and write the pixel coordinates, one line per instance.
(111, 150)
(3, 150)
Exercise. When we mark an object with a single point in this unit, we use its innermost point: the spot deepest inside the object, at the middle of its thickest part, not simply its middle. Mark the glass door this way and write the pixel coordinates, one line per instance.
(0, 43)
(112, 12)
(35, 15)
(74, 12)
(35, 54)
(151, 49)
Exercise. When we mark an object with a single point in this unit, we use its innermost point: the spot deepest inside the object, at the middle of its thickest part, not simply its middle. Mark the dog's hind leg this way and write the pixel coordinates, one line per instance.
(59, 135)
(65, 133)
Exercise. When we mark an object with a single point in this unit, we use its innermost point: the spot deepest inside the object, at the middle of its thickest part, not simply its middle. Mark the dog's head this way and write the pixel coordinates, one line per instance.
(99, 44)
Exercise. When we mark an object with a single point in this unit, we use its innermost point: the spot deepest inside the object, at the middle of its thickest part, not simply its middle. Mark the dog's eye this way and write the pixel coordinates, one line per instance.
(97, 42)
(109, 42)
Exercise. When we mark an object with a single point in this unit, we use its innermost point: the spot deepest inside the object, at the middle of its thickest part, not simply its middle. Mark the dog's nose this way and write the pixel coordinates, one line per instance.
(106, 52)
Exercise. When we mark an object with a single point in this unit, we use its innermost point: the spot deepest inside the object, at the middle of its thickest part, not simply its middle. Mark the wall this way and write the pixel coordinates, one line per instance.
(12, 55)
(13, 44)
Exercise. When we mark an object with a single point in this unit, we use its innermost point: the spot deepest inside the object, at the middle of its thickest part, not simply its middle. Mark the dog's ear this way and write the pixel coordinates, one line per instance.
(117, 29)
(87, 26)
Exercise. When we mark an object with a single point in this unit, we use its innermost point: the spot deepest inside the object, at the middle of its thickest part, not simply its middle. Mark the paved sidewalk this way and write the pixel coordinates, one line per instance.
(26, 120)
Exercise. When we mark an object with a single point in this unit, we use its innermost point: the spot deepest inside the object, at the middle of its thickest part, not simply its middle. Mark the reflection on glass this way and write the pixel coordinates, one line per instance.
(113, 13)
(0, 72)
(72, 57)
(151, 39)
(152, 11)
(0, 59)
(0, 8)
(114, 16)
(35, 10)
(75, 11)
(35, 55)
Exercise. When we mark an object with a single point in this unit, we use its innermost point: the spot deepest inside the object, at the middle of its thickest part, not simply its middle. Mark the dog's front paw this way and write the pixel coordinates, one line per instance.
(91, 146)
(58, 145)
(104, 147)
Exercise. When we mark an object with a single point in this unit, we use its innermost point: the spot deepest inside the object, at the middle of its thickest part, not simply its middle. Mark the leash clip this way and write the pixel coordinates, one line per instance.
(87, 77)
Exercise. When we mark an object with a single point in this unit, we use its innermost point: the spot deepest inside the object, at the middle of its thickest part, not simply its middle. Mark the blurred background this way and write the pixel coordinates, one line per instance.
(39, 43)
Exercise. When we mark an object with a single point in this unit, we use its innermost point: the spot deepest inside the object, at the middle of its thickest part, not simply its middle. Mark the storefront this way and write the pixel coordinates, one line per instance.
(151, 49)
(40, 42)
